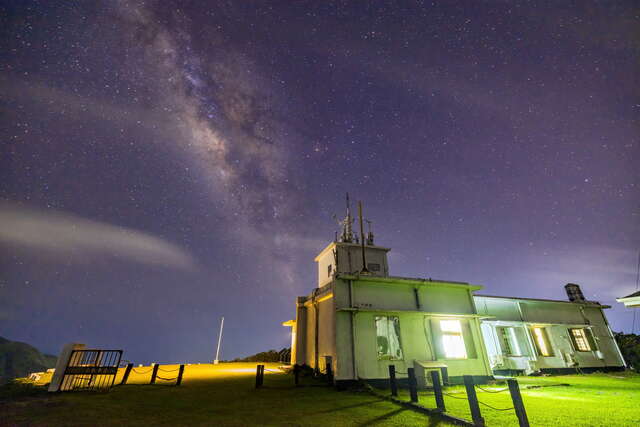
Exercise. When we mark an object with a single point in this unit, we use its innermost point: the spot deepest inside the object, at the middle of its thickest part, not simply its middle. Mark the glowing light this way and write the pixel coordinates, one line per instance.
(542, 342)
(580, 339)
(452, 340)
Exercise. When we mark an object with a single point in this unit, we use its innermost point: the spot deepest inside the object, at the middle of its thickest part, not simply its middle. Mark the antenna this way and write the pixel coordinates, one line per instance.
(348, 232)
(364, 259)
(215, 362)
(370, 234)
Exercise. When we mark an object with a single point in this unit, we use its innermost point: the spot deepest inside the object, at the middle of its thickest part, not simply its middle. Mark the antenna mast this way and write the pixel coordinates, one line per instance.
(215, 362)
(362, 240)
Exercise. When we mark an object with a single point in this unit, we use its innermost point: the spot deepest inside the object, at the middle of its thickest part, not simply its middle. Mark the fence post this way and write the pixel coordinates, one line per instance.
(261, 375)
(329, 372)
(296, 374)
(126, 373)
(258, 383)
(413, 385)
(518, 404)
(392, 380)
(473, 401)
(154, 373)
(180, 373)
(437, 390)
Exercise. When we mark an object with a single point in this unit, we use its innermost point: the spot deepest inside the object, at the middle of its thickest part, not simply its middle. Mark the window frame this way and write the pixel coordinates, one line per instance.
(546, 341)
(388, 357)
(509, 338)
(585, 339)
(459, 334)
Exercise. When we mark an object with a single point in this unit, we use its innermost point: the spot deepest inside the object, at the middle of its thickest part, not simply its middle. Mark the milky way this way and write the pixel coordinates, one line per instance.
(491, 142)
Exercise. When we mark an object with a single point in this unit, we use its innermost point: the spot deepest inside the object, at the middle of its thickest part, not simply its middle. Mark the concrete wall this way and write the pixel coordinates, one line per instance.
(349, 257)
(397, 297)
(311, 350)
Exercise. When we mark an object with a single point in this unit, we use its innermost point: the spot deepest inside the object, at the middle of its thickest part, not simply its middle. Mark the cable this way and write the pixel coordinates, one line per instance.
(168, 370)
(496, 409)
(166, 379)
(491, 391)
(141, 373)
(455, 397)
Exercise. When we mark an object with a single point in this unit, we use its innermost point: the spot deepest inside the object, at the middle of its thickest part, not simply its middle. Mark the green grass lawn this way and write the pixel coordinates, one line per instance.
(565, 400)
(220, 395)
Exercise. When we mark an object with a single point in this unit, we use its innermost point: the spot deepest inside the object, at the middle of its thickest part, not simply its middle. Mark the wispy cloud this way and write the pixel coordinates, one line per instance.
(62, 234)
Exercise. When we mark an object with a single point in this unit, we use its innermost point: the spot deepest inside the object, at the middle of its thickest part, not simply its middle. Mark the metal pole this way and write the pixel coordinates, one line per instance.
(364, 259)
(413, 385)
(155, 373)
(437, 390)
(473, 401)
(126, 373)
(392, 380)
(258, 383)
(180, 373)
(296, 374)
(215, 362)
(518, 405)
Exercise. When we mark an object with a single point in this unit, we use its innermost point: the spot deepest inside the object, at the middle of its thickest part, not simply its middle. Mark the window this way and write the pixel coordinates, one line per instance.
(582, 339)
(373, 267)
(388, 338)
(509, 341)
(329, 269)
(541, 340)
(452, 340)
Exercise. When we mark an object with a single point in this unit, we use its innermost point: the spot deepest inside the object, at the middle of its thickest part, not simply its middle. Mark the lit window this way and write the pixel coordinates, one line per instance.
(452, 340)
(542, 341)
(388, 337)
(580, 340)
(509, 341)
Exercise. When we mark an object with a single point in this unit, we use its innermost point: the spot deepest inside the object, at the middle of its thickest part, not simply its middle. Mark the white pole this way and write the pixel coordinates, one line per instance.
(215, 362)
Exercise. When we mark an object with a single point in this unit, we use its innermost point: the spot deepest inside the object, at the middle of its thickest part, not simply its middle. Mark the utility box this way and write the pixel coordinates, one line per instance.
(423, 373)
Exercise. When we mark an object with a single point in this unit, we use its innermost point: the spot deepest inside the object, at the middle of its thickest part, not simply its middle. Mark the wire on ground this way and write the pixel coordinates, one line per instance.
(491, 391)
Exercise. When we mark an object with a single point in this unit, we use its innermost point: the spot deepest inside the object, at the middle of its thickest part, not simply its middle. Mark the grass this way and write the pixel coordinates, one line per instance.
(221, 395)
(575, 400)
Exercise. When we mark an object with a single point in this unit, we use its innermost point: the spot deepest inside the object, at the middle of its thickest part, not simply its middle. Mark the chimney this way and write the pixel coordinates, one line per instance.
(574, 293)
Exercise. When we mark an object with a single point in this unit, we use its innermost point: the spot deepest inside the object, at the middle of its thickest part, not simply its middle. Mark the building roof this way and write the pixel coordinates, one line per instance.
(633, 295)
(589, 303)
(632, 300)
(413, 280)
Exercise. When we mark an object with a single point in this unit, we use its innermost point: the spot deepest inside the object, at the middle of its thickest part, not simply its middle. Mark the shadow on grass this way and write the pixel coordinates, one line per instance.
(341, 408)
(383, 417)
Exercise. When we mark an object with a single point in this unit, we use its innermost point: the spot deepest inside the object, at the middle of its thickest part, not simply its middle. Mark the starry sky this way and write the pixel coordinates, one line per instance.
(167, 163)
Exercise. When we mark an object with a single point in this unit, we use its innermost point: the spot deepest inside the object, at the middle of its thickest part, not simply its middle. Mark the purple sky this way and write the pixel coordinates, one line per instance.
(165, 164)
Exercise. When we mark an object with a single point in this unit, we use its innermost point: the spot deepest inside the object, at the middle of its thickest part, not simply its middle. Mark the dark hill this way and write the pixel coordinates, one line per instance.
(18, 359)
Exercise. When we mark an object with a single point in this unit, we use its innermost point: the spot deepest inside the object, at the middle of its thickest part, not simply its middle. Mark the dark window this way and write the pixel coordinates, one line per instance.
(329, 269)
(388, 338)
(373, 267)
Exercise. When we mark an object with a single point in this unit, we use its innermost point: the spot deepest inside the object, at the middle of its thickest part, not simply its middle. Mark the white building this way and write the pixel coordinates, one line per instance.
(360, 320)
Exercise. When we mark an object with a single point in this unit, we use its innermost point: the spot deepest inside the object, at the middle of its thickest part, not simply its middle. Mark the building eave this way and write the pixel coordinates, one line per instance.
(426, 313)
(630, 301)
(585, 304)
(409, 281)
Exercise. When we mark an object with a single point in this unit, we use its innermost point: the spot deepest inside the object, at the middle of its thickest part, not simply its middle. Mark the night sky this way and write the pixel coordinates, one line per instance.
(167, 163)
